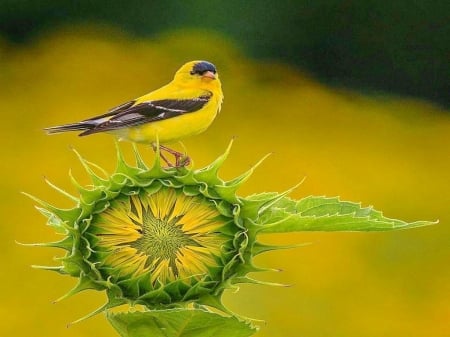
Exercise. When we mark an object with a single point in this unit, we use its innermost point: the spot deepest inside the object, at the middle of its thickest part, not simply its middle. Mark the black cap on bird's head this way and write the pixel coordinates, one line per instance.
(204, 68)
(200, 72)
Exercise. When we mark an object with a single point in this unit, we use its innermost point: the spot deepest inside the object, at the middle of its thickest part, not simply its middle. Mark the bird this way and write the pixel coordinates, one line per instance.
(184, 107)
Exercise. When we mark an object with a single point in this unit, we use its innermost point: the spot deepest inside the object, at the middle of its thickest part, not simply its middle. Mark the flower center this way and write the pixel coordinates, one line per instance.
(162, 239)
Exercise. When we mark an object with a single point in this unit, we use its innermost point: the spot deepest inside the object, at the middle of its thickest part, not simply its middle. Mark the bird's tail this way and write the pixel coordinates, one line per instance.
(80, 126)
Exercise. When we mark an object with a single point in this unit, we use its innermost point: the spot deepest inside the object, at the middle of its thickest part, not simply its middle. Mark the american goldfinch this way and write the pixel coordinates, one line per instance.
(184, 107)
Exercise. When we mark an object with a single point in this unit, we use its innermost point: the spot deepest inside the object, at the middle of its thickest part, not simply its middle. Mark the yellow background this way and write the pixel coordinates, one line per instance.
(389, 152)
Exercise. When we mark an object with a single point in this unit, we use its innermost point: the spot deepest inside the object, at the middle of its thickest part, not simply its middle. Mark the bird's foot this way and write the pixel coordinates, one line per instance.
(182, 161)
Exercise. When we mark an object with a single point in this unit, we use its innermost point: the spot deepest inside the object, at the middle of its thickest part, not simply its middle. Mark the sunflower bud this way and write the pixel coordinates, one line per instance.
(154, 236)
(167, 238)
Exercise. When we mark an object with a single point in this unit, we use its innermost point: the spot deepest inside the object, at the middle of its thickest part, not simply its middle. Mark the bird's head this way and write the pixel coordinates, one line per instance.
(201, 74)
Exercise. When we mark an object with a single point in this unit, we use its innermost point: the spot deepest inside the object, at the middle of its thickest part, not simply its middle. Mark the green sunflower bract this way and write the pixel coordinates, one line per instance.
(174, 239)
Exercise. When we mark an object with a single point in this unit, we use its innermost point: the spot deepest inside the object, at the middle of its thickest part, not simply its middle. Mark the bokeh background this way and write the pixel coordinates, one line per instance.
(351, 94)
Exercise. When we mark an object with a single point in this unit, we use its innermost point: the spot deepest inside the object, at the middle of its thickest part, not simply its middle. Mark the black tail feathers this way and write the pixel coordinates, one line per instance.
(69, 127)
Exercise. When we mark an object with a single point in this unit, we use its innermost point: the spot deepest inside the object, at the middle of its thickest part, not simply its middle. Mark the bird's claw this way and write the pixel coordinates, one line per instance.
(182, 161)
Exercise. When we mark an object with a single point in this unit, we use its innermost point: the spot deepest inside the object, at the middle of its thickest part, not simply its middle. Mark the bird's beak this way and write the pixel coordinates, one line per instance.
(209, 75)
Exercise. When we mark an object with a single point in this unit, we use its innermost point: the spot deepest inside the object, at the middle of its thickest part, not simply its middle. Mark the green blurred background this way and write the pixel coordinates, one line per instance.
(392, 46)
(351, 94)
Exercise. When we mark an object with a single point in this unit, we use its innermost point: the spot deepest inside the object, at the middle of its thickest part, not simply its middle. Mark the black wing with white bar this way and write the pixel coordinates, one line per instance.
(128, 115)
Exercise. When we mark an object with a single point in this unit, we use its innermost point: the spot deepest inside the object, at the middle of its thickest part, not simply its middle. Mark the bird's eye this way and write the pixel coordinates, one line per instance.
(201, 72)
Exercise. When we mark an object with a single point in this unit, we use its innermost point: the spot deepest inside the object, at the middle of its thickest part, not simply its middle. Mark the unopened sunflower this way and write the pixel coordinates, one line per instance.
(173, 239)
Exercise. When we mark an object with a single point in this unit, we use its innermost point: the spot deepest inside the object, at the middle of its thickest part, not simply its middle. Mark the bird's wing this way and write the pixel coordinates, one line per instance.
(111, 112)
(128, 114)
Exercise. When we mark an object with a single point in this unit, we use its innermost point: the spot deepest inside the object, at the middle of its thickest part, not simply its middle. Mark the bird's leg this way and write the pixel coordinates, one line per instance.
(169, 164)
(181, 159)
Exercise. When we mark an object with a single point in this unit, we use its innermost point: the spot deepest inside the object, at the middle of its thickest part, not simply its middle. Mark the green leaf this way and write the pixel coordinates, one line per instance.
(178, 323)
(327, 214)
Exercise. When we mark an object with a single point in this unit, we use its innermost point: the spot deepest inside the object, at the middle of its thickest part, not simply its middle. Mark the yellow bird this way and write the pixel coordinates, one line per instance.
(184, 107)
